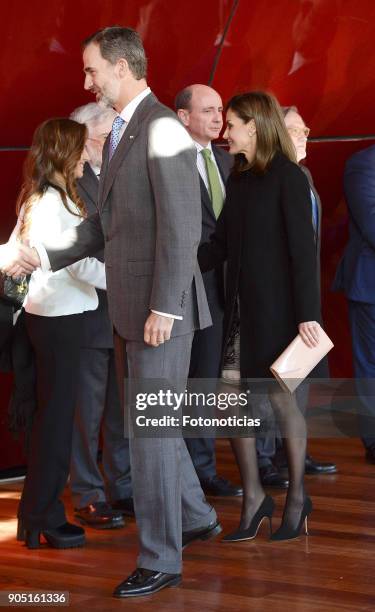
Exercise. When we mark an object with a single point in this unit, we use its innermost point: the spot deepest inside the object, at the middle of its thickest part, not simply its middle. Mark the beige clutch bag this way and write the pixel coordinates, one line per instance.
(297, 361)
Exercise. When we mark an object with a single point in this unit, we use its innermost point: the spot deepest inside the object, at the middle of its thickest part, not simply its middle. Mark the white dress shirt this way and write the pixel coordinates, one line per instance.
(201, 165)
(72, 289)
(129, 110)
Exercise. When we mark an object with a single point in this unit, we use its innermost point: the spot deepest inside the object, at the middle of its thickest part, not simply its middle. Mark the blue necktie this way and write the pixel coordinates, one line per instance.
(315, 211)
(115, 135)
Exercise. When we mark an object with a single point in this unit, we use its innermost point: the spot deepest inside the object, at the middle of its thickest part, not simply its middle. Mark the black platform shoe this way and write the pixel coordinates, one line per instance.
(285, 532)
(65, 536)
(265, 511)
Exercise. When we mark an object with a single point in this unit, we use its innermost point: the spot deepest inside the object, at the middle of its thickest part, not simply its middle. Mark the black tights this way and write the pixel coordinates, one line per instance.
(293, 430)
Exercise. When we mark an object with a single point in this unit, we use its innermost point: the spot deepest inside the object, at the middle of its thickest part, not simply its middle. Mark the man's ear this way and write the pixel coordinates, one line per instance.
(183, 116)
(123, 67)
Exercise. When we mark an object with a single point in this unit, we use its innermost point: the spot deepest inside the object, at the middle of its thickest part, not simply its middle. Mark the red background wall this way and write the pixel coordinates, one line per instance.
(316, 54)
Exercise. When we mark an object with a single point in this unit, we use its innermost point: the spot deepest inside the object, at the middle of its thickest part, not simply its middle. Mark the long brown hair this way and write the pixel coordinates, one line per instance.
(56, 148)
(272, 135)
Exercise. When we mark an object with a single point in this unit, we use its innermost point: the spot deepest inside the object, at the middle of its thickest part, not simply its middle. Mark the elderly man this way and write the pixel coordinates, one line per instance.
(149, 221)
(98, 404)
(266, 447)
(200, 109)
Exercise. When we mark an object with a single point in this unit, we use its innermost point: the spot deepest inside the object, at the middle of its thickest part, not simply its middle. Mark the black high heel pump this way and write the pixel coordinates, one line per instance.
(285, 532)
(264, 511)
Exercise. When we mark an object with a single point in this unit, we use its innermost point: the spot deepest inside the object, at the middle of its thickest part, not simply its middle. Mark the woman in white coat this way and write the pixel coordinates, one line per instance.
(54, 309)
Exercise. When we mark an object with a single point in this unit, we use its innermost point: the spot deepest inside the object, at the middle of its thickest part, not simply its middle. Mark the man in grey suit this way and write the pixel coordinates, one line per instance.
(149, 222)
(98, 407)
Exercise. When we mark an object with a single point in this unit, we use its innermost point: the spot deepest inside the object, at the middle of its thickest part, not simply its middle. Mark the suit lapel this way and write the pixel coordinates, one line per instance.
(206, 198)
(317, 230)
(220, 160)
(307, 172)
(110, 167)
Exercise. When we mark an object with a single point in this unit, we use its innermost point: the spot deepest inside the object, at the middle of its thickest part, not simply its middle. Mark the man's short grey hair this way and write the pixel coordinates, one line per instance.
(289, 109)
(183, 99)
(116, 42)
(93, 114)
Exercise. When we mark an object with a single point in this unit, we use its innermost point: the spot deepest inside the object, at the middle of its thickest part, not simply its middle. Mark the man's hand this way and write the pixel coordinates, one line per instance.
(309, 332)
(157, 329)
(17, 259)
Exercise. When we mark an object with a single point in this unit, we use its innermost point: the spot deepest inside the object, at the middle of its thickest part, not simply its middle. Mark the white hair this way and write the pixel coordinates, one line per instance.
(92, 114)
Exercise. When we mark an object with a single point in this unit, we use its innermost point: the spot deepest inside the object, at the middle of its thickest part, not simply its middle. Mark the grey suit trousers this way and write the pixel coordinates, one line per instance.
(168, 498)
(99, 404)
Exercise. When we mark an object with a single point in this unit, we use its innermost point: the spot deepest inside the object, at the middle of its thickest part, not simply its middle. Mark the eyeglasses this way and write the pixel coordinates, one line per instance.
(297, 131)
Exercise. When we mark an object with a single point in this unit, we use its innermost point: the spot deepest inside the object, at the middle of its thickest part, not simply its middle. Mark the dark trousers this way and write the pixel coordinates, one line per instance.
(362, 324)
(56, 342)
(205, 364)
(99, 405)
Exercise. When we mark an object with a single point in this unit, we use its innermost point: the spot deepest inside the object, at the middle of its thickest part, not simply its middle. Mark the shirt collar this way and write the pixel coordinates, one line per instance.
(95, 169)
(129, 110)
(200, 147)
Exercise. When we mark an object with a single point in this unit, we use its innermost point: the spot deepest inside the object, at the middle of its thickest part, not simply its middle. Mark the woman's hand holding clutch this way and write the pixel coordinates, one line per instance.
(309, 332)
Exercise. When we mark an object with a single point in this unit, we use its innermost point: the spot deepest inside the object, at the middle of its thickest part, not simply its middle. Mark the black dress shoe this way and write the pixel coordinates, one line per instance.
(220, 487)
(145, 582)
(124, 505)
(100, 515)
(201, 533)
(271, 477)
(65, 536)
(319, 467)
(370, 454)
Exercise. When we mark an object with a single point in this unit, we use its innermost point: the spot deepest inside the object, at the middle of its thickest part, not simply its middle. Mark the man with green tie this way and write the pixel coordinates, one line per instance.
(200, 109)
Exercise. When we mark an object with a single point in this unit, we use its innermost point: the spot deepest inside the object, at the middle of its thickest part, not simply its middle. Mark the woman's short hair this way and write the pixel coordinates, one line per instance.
(56, 149)
(272, 135)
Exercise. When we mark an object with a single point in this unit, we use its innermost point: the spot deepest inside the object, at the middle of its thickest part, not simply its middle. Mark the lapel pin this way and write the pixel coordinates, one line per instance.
(131, 137)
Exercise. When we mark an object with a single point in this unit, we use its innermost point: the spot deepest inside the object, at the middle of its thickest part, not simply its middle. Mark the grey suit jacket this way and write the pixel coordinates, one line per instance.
(149, 221)
(97, 329)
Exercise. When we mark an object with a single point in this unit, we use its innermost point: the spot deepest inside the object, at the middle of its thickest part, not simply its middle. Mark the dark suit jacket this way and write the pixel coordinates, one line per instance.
(356, 272)
(266, 235)
(150, 223)
(214, 279)
(97, 330)
(6, 327)
(322, 369)
(318, 230)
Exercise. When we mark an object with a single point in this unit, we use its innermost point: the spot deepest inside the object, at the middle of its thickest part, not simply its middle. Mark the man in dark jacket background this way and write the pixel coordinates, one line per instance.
(200, 109)
(356, 277)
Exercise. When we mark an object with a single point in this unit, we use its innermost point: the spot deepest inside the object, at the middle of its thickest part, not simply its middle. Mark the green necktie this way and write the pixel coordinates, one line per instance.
(216, 193)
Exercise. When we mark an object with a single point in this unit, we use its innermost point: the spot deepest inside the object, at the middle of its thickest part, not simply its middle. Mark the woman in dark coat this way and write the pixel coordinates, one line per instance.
(266, 236)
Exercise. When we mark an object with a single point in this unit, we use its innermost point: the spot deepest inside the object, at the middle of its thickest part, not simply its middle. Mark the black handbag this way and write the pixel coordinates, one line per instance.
(14, 290)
